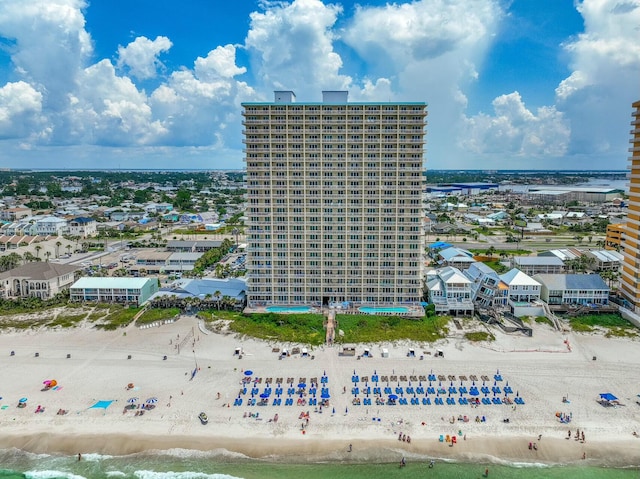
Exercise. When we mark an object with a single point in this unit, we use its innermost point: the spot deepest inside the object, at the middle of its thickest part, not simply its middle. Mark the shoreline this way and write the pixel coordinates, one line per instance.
(509, 451)
(99, 369)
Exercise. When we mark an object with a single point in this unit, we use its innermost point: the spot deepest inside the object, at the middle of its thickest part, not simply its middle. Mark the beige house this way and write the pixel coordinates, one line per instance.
(41, 280)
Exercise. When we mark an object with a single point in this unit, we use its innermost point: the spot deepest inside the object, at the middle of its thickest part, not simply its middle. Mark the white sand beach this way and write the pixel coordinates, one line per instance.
(541, 370)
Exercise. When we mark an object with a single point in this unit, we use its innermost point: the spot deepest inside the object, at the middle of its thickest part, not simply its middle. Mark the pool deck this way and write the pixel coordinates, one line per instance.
(412, 311)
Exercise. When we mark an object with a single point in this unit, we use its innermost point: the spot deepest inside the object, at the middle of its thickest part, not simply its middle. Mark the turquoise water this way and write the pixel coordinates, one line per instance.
(182, 464)
(371, 310)
(288, 309)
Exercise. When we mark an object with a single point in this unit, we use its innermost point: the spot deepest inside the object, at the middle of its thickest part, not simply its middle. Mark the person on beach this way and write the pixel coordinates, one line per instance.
(402, 462)
(350, 447)
(431, 463)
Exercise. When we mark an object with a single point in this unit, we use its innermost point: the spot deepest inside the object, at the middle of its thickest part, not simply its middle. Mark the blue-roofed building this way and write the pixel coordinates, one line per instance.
(581, 289)
(83, 227)
(205, 289)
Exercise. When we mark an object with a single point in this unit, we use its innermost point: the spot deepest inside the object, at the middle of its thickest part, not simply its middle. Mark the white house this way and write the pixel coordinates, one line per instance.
(450, 291)
(83, 227)
(50, 226)
(523, 293)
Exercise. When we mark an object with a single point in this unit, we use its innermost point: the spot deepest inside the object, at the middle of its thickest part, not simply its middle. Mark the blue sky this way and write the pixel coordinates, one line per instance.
(520, 84)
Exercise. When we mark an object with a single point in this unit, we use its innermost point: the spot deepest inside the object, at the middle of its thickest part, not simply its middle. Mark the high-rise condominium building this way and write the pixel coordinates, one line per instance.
(630, 281)
(334, 193)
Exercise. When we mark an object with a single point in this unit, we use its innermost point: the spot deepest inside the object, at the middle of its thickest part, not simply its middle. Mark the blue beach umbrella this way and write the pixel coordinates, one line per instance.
(248, 372)
(302, 385)
(23, 400)
(132, 400)
(152, 400)
(393, 397)
(264, 395)
(325, 395)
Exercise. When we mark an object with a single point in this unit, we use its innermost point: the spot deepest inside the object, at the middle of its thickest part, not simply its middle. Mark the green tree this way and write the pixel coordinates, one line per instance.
(182, 200)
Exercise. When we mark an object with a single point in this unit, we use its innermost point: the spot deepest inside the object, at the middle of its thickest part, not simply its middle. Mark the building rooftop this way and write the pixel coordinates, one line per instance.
(561, 282)
(112, 283)
(39, 271)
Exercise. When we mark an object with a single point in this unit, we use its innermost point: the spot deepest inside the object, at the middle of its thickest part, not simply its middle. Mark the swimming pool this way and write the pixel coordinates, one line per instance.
(288, 309)
(372, 310)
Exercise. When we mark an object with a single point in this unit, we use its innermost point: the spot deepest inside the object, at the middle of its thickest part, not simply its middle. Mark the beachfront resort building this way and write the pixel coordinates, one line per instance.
(630, 281)
(114, 290)
(334, 201)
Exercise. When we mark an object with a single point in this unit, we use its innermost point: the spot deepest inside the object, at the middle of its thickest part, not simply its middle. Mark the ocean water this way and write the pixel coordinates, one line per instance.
(182, 464)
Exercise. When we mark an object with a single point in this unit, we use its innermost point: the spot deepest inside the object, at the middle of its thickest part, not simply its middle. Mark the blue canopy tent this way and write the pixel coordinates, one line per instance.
(101, 405)
(608, 397)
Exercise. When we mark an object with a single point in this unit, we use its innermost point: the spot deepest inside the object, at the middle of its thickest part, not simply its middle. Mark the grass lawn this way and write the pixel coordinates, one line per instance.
(157, 314)
(308, 328)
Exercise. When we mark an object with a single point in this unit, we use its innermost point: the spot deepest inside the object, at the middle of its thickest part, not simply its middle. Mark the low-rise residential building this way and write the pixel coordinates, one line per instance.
(50, 226)
(523, 293)
(114, 290)
(456, 257)
(14, 214)
(199, 246)
(151, 261)
(179, 262)
(487, 288)
(579, 289)
(533, 265)
(606, 260)
(39, 279)
(83, 227)
(449, 291)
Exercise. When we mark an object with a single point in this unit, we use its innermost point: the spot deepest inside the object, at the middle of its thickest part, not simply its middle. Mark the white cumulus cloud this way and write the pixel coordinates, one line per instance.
(516, 131)
(20, 108)
(141, 56)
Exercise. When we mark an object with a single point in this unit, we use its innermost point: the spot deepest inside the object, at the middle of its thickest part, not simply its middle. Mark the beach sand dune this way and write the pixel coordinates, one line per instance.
(201, 373)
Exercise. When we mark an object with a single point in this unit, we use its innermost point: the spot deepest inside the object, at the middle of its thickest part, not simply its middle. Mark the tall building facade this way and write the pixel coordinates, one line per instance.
(630, 280)
(334, 201)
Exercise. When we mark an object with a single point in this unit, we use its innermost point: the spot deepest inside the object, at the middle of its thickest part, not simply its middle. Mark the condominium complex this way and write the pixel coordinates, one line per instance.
(334, 201)
(630, 282)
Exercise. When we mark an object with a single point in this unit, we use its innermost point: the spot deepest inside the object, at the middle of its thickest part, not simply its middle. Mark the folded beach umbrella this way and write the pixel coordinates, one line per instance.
(23, 400)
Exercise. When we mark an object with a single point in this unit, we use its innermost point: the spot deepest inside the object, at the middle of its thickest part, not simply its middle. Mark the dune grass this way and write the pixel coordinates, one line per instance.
(309, 328)
(155, 314)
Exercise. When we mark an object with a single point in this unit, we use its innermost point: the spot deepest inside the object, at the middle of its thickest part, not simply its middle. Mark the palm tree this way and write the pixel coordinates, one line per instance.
(490, 251)
(217, 295)
(47, 254)
(28, 257)
(68, 249)
(38, 248)
(58, 244)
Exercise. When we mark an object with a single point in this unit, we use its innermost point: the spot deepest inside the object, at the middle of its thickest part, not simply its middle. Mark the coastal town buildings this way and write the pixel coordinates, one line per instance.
(334, 199)
(630, 281)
